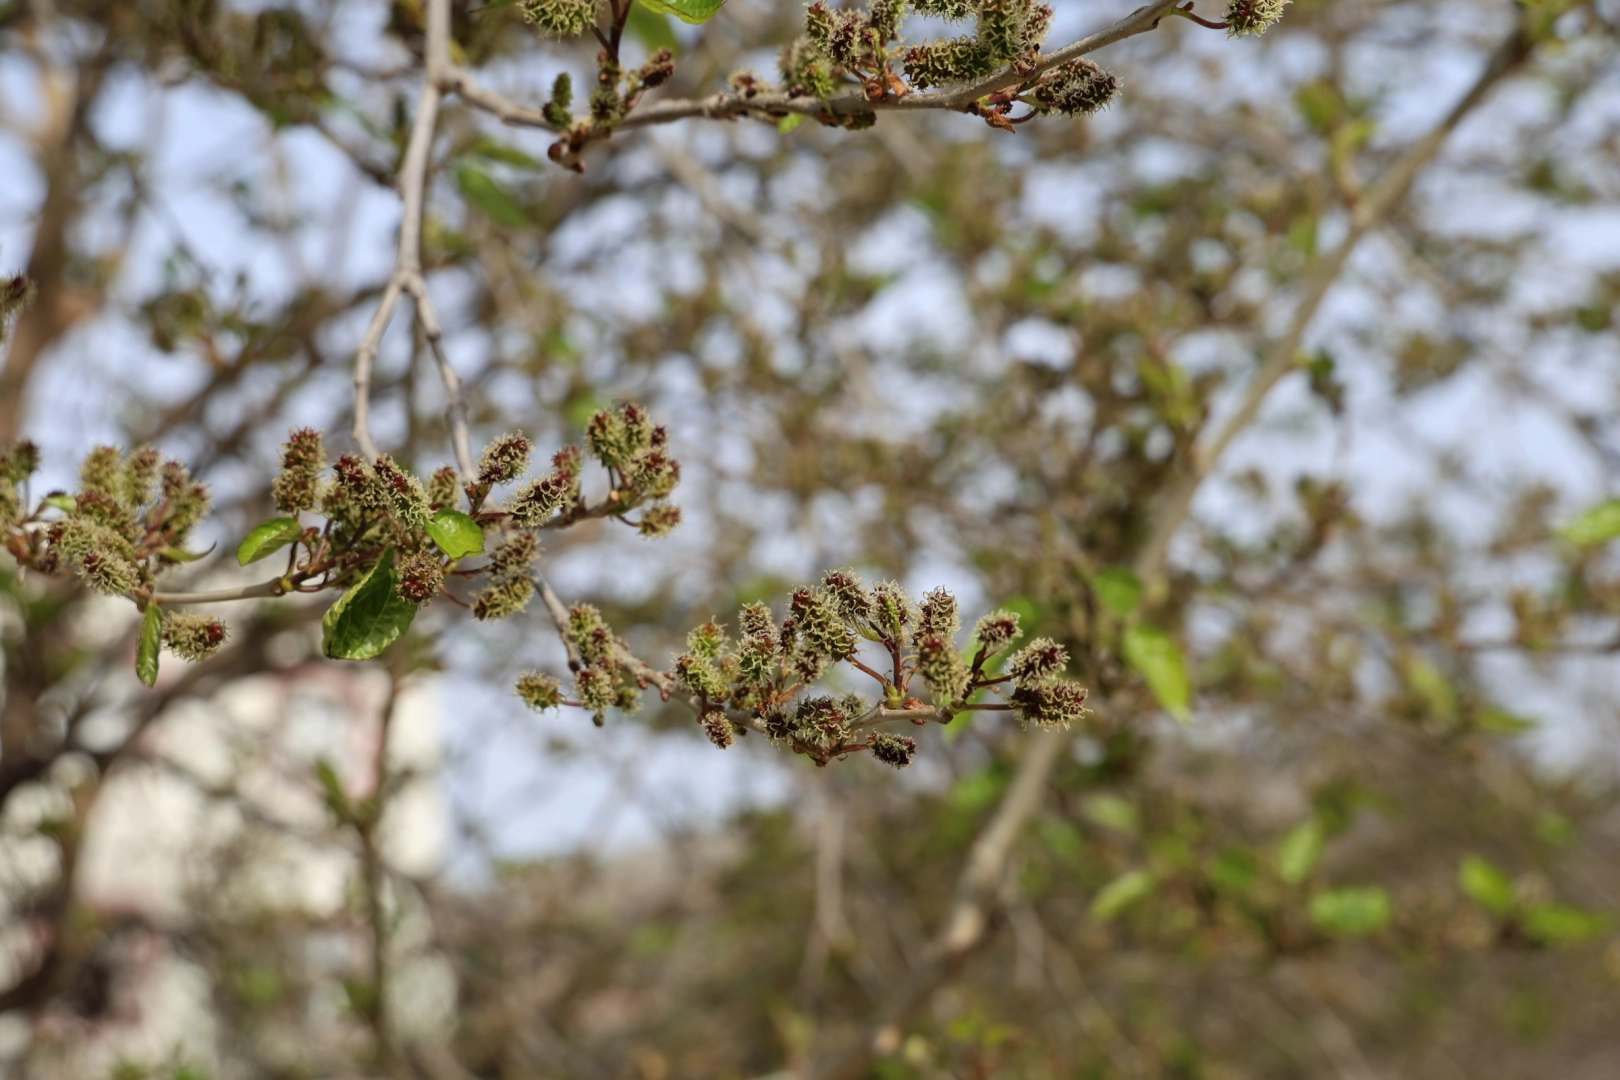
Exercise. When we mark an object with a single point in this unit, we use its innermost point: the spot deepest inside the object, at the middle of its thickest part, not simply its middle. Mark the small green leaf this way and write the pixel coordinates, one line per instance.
(1350, 912)
(1121, 893)
(1233, 871)
(486, 147)
(1119, 590)
(690, 11)
(181, 555)
(369, 617)
(1157, 658)
(1300, 851)
(1430, 683)
(1111, 812)
(267, 539)
(1496, 721)
(1485, 885)
(489, 196)
(789, 123)
(62, 502)
(146, 653)
(456, 534)
(1598, 525)
(1558, 923)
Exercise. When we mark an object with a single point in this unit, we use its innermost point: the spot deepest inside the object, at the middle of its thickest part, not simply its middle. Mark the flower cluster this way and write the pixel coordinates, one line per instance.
(1007, 31)
(1078, 88)
(191, 636)
(605, 677)
(765, 673)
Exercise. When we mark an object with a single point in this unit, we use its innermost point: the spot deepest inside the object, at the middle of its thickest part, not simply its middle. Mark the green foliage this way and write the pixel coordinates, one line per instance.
(267, 538)
(1127, 889)
(1155, 656)
(1351, 912)
(689, 11)
(1484, 884)
(1300, 850)
(456, 534)
(1597, 525)
(146, 652)
(369, 617)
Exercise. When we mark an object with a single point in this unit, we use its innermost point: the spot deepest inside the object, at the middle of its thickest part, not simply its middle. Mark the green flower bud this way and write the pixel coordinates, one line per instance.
(109, 573)
(405, 496)
(140, 473)
(848, 596)
(937, 616)
(594, 685)
(188, 501)
(706, 640)
(893, 610)
(996, 630)
(102, 473)
(943, 669)
(1049, 704)
(421, 574)
(1078, 88)
(20, 462)
(699, 675)
(539, 691)
(444, 488)
(823, 632)
(503, 598)
(659, 519)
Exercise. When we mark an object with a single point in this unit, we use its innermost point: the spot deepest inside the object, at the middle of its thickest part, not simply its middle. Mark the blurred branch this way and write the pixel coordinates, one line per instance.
(1282, 357)
(972, 910)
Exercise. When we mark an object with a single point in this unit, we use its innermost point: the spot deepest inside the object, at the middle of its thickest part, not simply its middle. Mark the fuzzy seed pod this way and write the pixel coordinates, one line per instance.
(444, 488)
(893, 750)
(1253, 17)
(1051, 704)
(892, 609)
(659, 519)
(420, 576)
(1040, 660)
(942, 668)
(848, 596)
(503, 598)
(700, 676)
(20, 462)
(505, 459)
(102, 473)
(824, 633)
(193, 637)
(515, 556)
(651, 473)
(188, 500)
(937, 616)
(806, 71)
(754, 620)
(538, 690)
(543, 496)
(594, 685)
(819, 722)
(1078, 88)
(405, 496)
(756, 660)
(996, 630)
(109, 573)
(303, 456)
(706, 640)
(140, 474)
(560, 18)
(717, 728)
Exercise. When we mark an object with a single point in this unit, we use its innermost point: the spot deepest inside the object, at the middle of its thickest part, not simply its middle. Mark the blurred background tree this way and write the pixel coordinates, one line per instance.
(1281, 393)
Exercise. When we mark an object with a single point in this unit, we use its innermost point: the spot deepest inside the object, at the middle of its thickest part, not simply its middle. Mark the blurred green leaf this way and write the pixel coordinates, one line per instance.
(1556, 924)
(691, 11)
(146, 653)
(369, 617)
(1118, 589)
(1111, 812)
(268, 538)
(1430, 683)
(484, 192)
(789, 123)
(1350, 912)
(1155, 656)
(456, 534)
(486, 147)
(1121, 893)
(1496, 721)
(652, 29)
(62, 502)
(1300, 851)
(1598, 525)
(1484, 884)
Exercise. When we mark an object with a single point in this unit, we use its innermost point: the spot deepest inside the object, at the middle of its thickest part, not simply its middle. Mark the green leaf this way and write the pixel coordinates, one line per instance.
(62, 502)
(690, 11)
(267, 539)
(1233, 871)
(1111, 812)
(787, 124)
(486, 147)
(1496, 721)
(181, 555)
(1485, 884)
(1157, 658)
(1558, 923)
(1300, 851)
(1118, 589)
(1598, 525)
(146, 653)
(1121, 893)
(369, 617)
(652, 30)
(1350, 912)
(1430, 683)
(456, 534)
(490, 197)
